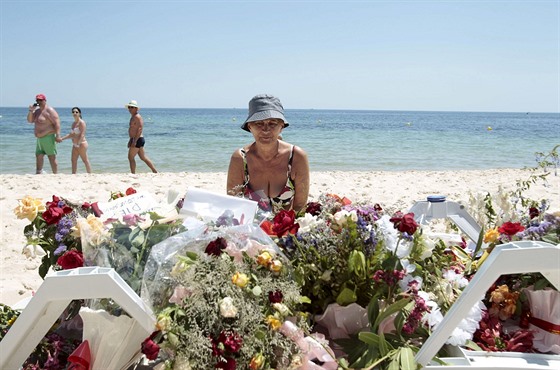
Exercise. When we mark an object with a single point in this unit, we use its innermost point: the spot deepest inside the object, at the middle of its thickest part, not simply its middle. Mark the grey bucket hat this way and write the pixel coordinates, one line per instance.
(262, 107)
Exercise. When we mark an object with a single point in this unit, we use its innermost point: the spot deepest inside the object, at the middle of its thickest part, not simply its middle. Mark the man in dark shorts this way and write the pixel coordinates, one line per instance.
(136, 141)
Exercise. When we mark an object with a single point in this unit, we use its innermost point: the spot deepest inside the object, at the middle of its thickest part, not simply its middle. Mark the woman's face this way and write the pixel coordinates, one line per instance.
(266, 130)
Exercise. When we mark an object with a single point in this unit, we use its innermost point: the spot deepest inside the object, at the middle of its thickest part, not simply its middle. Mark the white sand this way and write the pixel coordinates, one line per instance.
(396, 190)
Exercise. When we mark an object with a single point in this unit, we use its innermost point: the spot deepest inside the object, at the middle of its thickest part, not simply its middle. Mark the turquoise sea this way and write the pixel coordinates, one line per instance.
(202, 140)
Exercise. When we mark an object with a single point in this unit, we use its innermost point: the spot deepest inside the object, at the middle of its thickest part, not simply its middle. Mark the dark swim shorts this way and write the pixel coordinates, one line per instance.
(139, 143)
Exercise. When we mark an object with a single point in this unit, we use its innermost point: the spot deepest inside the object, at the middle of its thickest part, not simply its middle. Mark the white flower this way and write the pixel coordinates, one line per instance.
(403, 284)
(32, 251)
(390, 234)
(281, 308)
(227, 309)
(341, 217)
(466, 328)
(433, 318)
(429, 246)
(307, 223)
(457, 280)
(407, 266)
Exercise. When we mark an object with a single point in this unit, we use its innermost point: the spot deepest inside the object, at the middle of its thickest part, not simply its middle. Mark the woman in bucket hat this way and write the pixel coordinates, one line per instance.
(270, 171)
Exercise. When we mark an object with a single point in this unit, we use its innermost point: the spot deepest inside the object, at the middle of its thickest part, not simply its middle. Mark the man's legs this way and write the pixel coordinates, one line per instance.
(132, 151)
(146, 160)
(39, 159)
(54, 163)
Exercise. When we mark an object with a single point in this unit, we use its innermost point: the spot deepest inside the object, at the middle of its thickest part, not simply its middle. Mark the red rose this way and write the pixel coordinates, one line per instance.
(313, 208)
(215, 247)
(275, 297)
(130, 191)
(70, 260)
(96, 211)
(533, 212)
(54, 203)
(510, 228)
(404, 223)
(55, 210)
(150, 348)
(284, 223)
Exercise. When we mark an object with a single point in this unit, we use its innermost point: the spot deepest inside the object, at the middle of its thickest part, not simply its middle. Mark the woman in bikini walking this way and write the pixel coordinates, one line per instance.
(79, 143)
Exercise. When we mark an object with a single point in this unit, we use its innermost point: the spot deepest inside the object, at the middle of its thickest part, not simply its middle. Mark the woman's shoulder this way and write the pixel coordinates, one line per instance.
(298, 151)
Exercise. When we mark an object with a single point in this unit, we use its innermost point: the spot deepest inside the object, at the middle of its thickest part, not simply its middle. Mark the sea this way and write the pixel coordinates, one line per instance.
(202, 140)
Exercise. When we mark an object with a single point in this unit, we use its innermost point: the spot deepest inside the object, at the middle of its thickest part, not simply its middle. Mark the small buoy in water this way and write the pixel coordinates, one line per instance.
(489, 128)
(409, 123)
(318, 121)
(234, 119)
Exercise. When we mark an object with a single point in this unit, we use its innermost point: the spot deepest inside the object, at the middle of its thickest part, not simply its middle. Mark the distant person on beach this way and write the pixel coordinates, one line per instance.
(79, 143)
(270, 171)
(47, 132)
(136, 141)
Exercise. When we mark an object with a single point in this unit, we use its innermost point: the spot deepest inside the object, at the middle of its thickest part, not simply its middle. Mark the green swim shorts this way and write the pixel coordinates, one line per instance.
(46, 145)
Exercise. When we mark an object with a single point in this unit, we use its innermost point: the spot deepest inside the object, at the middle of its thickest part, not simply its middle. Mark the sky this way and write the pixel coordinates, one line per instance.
(491, 56)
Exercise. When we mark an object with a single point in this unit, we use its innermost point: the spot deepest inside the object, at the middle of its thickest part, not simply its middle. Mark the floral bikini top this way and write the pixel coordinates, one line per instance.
(274, 204)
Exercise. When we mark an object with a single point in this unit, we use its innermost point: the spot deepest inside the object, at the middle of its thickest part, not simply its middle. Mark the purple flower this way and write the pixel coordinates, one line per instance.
(61, 249)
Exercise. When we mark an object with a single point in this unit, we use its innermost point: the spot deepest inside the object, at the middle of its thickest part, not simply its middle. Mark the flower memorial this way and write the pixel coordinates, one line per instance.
(339, 285)
(225, 299)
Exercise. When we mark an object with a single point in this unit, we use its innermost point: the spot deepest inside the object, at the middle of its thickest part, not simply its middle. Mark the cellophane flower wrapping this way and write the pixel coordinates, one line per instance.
(125, 244)
(114, 341)
(224, 296)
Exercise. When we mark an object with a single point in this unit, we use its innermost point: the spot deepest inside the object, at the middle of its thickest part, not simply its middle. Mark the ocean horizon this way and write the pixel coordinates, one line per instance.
(202, 140)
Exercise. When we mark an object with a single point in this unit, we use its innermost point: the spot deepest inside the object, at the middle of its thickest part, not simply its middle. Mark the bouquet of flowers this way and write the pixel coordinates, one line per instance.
(50, 234)
(345, 253)
(226, 299)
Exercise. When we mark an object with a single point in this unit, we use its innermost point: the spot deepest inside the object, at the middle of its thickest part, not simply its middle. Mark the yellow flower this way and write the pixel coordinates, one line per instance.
(491, 235)
(264, 258)
(28, 207)
(163, 322)
(275, 266)
(504, 302)
(90, 228)
(257, 362)
(239, 279)
(274, 323)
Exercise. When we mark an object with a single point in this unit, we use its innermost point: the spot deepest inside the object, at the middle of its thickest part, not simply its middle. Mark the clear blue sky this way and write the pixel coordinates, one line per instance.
(394, 55)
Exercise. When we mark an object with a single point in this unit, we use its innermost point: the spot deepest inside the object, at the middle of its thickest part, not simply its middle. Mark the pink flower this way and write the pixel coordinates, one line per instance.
(179, 293)
(132, 220)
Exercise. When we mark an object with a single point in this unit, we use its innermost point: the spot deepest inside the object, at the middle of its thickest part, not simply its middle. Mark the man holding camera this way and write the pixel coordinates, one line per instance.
(47, 132)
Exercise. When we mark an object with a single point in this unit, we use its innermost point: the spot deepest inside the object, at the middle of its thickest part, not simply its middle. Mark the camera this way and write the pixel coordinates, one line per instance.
(35, 104)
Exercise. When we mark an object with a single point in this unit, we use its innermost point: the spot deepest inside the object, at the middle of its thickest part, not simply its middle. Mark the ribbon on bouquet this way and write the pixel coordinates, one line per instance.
(545, 325)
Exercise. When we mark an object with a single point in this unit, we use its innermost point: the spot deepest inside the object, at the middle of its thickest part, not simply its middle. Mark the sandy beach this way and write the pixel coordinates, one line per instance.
(394, 190)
